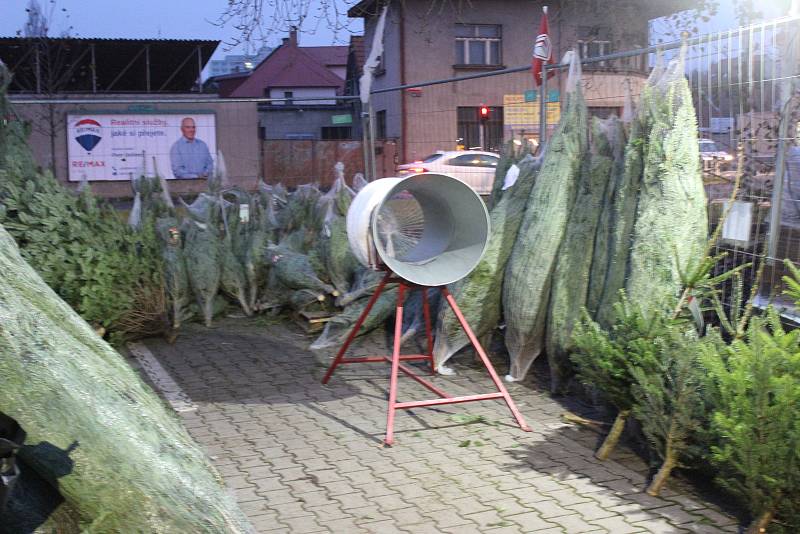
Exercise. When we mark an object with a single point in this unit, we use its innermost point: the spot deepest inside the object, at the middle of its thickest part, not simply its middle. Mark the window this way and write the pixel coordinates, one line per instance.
(467, 160)
(594, 41)
(477, 135)
(431, 158)
(488, 161)
(380, 124)
(336, 133)
(478, 44)
(604, 112)
(288, 95)
(474, 160)
(380, 70)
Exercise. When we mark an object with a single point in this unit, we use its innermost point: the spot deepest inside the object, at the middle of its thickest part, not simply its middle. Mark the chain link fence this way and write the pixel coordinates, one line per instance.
(745, 87)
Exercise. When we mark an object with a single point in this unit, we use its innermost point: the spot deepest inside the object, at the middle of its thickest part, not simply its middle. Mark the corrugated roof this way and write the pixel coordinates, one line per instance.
(118, 39)
(328, 55)
(363, 8)
(89, 64)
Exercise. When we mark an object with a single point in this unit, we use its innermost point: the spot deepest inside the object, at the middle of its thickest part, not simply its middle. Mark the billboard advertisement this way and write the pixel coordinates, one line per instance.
(518, 111)
(114, 146)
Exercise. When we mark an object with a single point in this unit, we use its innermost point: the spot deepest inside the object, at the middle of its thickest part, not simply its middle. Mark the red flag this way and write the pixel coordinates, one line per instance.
(542, 50)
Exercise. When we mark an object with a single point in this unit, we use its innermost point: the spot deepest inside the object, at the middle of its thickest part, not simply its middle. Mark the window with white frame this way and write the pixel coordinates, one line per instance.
(594, 41)
(478, 44)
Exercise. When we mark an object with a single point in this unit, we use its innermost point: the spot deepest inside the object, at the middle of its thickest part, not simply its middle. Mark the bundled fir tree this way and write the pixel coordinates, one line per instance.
(176, 275)
(568, 294)
(203, 251)
(236, 209)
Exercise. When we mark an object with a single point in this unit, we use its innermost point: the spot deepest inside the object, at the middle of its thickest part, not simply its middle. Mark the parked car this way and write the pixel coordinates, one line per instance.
(473, 167)
(714, 160)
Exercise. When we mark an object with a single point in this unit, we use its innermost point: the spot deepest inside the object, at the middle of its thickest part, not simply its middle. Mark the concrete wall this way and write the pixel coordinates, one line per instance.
(303, 123)
(237, 139)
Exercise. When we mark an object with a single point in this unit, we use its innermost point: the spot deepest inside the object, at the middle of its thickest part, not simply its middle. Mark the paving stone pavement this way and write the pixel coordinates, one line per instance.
(302, 457)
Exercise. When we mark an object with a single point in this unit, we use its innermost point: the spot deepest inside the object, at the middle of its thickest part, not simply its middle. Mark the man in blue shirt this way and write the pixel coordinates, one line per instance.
(189, 156)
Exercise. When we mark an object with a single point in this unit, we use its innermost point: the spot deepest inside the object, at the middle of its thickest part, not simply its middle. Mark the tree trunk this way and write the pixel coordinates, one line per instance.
(613, 436)
(663, 474)
(760, 524)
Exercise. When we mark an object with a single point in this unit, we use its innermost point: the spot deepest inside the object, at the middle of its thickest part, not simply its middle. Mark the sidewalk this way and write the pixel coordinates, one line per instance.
(302, 457)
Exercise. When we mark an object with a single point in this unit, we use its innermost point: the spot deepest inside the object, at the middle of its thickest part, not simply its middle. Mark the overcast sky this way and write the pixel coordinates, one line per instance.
(168, 19)
(193, 19)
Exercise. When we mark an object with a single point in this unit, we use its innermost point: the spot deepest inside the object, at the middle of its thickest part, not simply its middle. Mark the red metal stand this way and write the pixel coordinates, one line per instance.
(396, 358)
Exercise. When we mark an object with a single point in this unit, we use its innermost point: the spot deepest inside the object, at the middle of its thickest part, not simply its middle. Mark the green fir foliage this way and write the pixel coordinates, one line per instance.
(605, 359)
(79, 246)
(755, 386)
(668, 401)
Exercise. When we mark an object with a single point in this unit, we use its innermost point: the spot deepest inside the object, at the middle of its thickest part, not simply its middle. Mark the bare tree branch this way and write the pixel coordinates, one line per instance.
(256, 21)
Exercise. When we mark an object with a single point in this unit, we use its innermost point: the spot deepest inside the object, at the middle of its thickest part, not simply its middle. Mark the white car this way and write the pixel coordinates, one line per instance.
(714, 160)
(473, 167)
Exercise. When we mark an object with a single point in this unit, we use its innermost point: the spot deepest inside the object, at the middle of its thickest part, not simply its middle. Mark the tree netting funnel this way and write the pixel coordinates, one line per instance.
(426, 231)
(429, 229)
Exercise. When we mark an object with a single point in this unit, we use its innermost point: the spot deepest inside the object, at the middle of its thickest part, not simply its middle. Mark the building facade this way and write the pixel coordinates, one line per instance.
(305, 83)
(425, 43)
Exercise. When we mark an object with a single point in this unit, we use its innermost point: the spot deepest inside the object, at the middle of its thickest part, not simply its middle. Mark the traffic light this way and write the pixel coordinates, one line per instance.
(483, 113)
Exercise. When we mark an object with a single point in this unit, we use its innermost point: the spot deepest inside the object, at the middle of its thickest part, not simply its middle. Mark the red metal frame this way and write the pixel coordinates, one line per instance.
(396, 358)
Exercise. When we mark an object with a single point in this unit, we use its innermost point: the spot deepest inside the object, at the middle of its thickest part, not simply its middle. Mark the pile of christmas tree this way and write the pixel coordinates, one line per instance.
(110, 274)
(96, 430)
(591, 267)
(720, 400)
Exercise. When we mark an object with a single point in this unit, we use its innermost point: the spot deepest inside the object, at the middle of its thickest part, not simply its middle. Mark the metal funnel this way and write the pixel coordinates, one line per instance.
(430, 229)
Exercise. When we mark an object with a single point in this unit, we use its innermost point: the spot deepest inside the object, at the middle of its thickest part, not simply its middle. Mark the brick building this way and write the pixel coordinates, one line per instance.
(423, 42)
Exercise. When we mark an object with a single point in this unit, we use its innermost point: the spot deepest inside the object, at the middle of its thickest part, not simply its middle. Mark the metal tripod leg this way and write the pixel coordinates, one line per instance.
(426, 311)
(398, 332)
(356, 328)
(497, 382)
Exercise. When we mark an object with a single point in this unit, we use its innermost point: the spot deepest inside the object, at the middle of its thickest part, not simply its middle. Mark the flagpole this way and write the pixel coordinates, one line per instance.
(542, 101)
(543, 107)
(365, 143)
(373, 167)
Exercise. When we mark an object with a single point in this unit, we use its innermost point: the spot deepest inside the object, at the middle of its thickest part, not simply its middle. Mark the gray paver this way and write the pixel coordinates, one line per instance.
(616, 525)
(659, 526)
(530, 521)
(675, 515)
(302, 457)
(574, 523)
